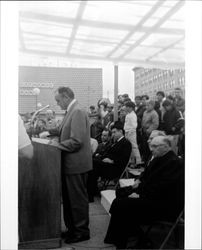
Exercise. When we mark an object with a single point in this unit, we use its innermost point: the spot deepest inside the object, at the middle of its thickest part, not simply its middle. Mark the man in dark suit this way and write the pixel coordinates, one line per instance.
(114, 160)
(74, 140)
(161, 196)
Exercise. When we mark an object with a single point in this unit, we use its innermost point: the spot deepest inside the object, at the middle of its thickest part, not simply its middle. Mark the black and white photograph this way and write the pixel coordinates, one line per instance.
(101, 124)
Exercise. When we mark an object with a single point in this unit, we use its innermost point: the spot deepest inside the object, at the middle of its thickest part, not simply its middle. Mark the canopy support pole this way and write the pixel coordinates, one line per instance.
(116, 70)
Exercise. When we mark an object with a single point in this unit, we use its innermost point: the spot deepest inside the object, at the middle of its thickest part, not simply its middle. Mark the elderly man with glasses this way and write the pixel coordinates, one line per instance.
(157, 195)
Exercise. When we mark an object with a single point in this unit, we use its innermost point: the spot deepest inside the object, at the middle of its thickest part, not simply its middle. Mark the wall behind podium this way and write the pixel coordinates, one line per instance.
(85, 82)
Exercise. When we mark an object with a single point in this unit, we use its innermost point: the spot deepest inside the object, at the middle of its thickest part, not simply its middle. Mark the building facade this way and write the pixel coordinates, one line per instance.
(150, 81)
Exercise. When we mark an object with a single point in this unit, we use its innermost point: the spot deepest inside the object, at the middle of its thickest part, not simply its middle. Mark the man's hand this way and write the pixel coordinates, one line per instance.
(173, 129)
(44, 134)
(107, 160)
(134, 195)
(54, 143)
(136, 184)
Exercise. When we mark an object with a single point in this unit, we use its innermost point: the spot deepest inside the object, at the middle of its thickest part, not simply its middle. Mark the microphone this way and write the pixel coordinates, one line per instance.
(38, 111)
(47, 106)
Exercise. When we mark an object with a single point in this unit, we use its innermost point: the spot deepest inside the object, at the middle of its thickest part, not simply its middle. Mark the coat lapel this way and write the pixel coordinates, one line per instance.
(66, 116)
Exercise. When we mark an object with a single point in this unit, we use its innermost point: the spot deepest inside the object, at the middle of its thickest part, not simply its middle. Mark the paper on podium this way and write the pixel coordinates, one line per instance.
(126, 182)
(40, 140)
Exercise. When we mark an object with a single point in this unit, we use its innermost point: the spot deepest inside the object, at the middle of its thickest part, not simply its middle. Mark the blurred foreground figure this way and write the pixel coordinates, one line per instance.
(25, 148)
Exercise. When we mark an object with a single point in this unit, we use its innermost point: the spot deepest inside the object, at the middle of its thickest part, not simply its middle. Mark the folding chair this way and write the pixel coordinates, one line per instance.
(106, 181)
(173, 226)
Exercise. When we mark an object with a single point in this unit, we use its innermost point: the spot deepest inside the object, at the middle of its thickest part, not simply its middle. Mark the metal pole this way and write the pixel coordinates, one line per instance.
(116, 70)
(36, 102)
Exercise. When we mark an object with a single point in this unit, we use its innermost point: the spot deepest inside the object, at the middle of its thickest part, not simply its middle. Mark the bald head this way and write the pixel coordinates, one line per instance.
(160, 145)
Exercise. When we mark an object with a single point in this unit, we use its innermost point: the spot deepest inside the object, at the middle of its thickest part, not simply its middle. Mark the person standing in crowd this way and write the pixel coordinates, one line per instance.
(173, 123)
(179, 101)
(145, 98)
(111, 113)
(139, 110)
(130, 127)
(160, 95)
(74, 140)
(92, 110)
(158, 111)
(104, 114)
(157, 195)
(150, 122)
(122, 114)
(25, 148)
(171, 99)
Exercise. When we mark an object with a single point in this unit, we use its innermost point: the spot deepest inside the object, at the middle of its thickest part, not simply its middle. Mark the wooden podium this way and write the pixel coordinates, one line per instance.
(39, 198)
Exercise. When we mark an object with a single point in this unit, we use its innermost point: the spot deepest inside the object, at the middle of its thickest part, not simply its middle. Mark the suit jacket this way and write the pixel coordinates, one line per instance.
(119, 153)
(74, 136)
(163, 180)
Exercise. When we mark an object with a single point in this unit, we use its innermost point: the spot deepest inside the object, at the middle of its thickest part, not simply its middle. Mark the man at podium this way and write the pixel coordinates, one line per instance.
(74, 140)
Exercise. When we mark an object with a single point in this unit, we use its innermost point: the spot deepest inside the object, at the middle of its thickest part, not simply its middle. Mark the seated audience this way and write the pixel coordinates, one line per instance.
(113, 161)
(158, 195)
(104, 145)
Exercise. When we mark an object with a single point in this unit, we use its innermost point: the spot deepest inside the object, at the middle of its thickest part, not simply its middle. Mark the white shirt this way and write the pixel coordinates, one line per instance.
(120, 138)
(94, 144)
(130, 122)
(23, 138)
(71, 103)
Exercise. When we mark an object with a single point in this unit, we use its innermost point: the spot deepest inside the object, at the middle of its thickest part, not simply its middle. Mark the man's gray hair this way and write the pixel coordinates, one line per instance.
(167, 140)
(159, 132)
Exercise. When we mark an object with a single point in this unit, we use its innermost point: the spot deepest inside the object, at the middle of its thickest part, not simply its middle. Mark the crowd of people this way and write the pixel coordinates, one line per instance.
(140, 117)
(147, 133)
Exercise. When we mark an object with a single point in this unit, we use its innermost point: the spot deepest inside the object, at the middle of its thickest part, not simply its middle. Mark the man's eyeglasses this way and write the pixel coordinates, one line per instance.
(156, 146)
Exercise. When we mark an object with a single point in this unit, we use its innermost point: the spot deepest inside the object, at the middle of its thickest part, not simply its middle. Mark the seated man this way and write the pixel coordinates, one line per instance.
(104, 145)
(113, 161)
(161, 196)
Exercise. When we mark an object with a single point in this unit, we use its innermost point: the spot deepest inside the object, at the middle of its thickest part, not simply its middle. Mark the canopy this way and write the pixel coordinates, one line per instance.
(149, 33)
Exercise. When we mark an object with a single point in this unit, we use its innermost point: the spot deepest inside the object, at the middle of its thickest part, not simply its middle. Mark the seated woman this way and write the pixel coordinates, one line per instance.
(160, 191)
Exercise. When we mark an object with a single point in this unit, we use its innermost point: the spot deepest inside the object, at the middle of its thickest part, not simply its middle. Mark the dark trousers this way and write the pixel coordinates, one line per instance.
(128, 214)
(75, 203)
(104, 170)
(145, 151)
